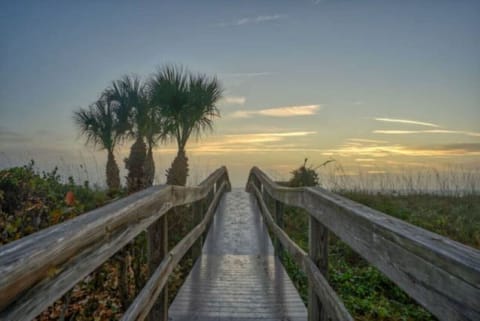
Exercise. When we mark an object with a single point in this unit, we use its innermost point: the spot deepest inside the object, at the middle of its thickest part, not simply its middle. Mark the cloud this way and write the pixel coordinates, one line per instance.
(234, 100)
(247, 74)
(289, 111)
(8, 136)
(253, 20)
(273, 135)
(261, 137)
(358, 103)
(406, 121)
(422, 131)
(252, 142)
(429, 131)
(287, 134)
(362, 140)
(459, 147)
(367, 151)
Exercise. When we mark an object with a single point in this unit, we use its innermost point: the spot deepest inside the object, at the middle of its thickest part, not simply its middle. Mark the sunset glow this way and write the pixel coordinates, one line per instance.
(372, 90)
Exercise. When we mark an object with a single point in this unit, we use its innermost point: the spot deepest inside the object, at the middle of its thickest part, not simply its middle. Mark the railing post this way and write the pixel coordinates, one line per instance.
(203, 205)
(210, 197)
(197, 214)
(256, 182)
(158, 249)
(278, 209)
(318, 252)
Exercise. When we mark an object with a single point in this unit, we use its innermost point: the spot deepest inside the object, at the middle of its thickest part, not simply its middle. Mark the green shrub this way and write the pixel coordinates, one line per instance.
(30, 201)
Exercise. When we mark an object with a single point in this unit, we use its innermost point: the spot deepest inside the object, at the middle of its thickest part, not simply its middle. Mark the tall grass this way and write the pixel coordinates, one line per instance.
(452, 180)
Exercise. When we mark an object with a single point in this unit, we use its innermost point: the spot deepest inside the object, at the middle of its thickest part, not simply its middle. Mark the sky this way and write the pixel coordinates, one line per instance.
(378, 86)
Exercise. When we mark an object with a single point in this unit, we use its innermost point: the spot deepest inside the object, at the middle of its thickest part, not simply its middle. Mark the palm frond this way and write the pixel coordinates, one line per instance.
(186, 101)
(98, 124)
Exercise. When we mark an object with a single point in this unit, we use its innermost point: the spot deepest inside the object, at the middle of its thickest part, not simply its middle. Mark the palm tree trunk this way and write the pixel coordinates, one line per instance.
(177, 173)
(149, 167)
(136, 166)
(112, 172)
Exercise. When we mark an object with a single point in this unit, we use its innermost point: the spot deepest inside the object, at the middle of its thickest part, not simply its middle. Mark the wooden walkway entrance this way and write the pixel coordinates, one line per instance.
(237, 277)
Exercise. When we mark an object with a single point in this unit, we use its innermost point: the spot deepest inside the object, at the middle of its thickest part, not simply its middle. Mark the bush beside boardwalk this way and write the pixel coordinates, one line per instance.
(31, 201)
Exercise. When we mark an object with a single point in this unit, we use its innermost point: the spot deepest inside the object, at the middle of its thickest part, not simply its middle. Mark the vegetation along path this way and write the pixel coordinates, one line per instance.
(237, 277)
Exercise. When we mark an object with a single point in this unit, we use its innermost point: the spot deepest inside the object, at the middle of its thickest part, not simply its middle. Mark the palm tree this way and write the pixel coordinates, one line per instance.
(154, 132)
(188, 104)
(138, 120)
(99, 124)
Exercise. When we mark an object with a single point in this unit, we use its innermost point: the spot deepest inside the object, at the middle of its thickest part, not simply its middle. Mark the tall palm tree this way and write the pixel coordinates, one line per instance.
(188, 104)
(99, 124)
(154, 132)
(138, 120)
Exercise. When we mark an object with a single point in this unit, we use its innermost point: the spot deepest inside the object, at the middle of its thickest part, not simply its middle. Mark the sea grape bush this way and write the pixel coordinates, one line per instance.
(31, 201)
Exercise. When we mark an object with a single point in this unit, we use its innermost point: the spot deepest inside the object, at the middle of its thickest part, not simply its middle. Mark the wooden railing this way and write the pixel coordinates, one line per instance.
(440, 274)
(38, 269)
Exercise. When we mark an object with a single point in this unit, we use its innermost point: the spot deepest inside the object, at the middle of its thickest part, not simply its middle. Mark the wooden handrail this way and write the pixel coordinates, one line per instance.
(332, 302)
(38, 269)
(439, 273)
(144, 301)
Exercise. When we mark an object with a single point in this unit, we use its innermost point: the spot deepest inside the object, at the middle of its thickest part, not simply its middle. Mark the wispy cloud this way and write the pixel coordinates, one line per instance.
(406, 121)
(253, 20)
(252, 143)
(429, 131)
(234, 139)
(289, 111)
(362, 140)
(376, 172)
(358, 103)
(288, 134)
(8, 136)
(460, 147)
(368, 151)
(247, 74)
(234, 100)
(269, 136)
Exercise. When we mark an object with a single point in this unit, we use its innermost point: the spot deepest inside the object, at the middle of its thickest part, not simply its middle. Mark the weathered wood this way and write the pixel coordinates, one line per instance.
(333, 305)
(439, 273)
(219, 174)
(328, 297)
(30, 259)
(145, 300)
(318, 252)
(291, 247)
(158, 249)
(237, 277)
(196, 219)
(44, 293)
(37, 269)
(278, 215)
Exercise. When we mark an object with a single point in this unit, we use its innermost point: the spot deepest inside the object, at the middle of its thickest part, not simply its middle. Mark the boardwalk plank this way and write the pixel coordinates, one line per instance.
(237, 277)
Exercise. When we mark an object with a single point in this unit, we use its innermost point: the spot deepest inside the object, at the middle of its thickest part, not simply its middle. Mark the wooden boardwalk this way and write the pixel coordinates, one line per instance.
(237, 277)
